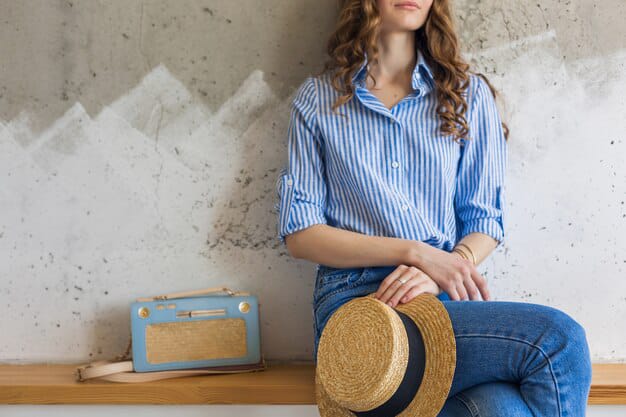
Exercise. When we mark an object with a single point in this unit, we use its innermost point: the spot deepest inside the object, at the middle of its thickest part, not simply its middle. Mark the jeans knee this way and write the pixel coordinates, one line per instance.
(572, 339)
(580, 352)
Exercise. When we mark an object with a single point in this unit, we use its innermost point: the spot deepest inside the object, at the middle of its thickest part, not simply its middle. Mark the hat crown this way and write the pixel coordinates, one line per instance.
(362, 354)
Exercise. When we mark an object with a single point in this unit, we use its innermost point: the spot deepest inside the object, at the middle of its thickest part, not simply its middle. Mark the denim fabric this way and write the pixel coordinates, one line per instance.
(514, 359)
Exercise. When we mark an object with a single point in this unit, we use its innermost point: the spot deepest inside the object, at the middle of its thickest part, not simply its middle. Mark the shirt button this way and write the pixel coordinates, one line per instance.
(395, 164)
(289, 181)
(405, 207)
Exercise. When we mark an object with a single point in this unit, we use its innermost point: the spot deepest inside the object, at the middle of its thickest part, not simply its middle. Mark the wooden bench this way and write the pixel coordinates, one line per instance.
(280, 383)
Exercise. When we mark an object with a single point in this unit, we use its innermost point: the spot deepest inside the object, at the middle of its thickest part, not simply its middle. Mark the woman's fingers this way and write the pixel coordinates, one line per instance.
(390, 284)
(391, 290)
(459, 281)
(481, 284)
(415, 290)
(381, 292)
(415, 277)
(452, 293)
(474, 284)
(471, 289)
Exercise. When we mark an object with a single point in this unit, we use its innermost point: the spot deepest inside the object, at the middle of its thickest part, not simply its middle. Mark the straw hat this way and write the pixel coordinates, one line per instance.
(376, 360)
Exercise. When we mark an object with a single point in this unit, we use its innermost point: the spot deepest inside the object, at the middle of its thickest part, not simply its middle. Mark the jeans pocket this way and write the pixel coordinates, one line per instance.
(330, 280)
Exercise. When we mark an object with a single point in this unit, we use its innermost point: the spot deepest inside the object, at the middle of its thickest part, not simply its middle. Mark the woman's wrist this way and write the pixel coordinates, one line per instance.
(460, 253)
(414, 254)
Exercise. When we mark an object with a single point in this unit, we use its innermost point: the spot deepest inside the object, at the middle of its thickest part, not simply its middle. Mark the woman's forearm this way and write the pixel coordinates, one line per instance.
(481, 245)
(340, 248)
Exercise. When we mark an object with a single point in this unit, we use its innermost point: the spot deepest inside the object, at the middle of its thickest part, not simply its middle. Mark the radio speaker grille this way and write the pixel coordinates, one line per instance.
(196, 340)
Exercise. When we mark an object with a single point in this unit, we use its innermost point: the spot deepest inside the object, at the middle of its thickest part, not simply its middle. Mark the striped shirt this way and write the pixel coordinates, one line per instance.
(390, 172)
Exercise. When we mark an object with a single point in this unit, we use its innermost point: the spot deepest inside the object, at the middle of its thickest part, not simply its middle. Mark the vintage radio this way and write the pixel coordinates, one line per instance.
(187, 333)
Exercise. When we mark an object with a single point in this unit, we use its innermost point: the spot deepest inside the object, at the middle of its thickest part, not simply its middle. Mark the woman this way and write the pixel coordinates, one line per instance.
(394, 185)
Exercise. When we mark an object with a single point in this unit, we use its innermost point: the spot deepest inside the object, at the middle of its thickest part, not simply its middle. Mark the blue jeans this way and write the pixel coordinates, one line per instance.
(514, 359)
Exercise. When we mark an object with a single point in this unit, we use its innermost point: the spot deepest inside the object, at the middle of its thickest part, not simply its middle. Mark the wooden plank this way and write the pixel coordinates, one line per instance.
(608, 384)
(280, 383)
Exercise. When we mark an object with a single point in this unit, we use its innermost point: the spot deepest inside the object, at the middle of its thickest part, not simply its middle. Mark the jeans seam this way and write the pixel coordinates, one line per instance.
(545, 355)
(469, 404)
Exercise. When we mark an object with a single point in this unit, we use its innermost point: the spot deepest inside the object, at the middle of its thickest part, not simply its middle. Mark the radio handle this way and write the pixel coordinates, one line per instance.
(202, 291)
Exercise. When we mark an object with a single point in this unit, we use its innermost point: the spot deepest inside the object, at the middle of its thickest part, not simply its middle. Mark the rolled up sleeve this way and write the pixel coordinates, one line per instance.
(301, 185)
(480, 198)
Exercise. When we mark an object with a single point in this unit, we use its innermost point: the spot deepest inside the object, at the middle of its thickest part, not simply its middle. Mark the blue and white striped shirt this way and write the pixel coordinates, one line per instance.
(390, 172)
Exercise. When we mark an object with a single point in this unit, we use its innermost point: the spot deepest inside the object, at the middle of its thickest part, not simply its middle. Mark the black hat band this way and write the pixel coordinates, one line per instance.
(412, 378)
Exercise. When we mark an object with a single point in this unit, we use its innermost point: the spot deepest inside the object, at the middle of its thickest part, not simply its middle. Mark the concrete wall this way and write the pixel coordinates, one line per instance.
(140, 143)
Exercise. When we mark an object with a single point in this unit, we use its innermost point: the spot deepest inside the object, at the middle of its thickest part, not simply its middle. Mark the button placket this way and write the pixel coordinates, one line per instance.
(399, 166)
(395, 154)
(398, 160)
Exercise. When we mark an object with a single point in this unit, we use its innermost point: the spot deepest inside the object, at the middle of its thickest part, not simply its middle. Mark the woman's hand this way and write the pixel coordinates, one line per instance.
(456, 275)
(392, 291)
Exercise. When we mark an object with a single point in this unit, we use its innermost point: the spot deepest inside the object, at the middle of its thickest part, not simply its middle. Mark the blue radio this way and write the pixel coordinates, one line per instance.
(198, 331)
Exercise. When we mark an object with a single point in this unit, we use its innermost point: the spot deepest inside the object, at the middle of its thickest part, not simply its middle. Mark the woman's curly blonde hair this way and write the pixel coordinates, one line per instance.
(355, 34)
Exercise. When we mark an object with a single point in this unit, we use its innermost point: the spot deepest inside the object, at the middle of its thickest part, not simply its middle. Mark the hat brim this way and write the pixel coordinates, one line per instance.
(433, 321)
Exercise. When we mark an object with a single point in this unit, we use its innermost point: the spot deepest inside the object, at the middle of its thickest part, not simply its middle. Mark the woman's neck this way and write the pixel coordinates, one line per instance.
(397, 56)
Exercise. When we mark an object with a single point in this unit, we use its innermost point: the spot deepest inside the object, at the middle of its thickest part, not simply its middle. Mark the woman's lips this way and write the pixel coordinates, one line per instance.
(407, 5)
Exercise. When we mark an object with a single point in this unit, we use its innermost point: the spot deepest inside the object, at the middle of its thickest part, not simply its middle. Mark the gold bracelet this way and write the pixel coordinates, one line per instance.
(469, 249)
(463, 254)
(460, 252)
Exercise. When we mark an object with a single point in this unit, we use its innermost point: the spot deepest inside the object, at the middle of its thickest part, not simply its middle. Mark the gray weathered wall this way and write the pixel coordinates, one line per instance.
(140, 142)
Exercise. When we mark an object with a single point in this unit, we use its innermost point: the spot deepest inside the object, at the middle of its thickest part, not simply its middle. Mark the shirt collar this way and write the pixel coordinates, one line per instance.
(421, 68)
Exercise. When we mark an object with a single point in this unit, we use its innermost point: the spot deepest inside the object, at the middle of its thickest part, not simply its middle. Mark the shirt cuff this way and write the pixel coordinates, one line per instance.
(488, 225)
(295, 214)
(294, 226)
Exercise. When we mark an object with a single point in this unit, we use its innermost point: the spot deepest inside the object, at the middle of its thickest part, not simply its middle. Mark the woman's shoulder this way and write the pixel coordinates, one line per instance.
(477, 89)
(306, 91)
(323, 82)
(316, 89)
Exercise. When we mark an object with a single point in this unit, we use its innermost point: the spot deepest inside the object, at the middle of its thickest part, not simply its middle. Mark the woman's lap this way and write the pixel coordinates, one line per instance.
(539, 349)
